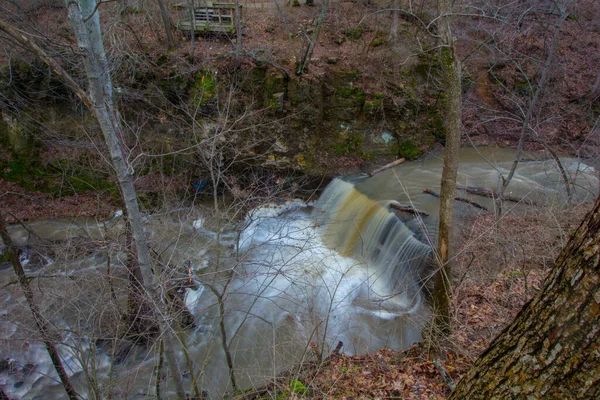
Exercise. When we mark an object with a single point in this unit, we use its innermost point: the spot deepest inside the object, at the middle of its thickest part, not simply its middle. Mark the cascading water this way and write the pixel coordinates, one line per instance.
(303, 277)
(367, 230)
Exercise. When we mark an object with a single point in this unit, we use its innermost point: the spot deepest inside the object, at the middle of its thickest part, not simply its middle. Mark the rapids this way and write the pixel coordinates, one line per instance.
(296, 279)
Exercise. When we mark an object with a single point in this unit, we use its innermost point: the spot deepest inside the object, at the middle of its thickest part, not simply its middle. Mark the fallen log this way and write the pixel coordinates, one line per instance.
(485, 192)
(474, 204)
(408, 209)
(387, 166)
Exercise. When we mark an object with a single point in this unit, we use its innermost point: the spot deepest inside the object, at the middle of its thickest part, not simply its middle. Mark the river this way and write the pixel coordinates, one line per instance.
(295, 279)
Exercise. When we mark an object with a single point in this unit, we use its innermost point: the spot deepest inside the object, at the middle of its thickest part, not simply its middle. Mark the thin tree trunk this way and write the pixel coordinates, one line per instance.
(40, 321)
(238, 25)
(192, 12)
(550, 350)
(305, 62)
(450, 68)
(167, 23)
(395, 20)
(530, 110)
(89, 38)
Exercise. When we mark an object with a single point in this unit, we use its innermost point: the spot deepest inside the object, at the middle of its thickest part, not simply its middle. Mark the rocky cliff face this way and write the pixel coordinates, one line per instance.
(321, 125)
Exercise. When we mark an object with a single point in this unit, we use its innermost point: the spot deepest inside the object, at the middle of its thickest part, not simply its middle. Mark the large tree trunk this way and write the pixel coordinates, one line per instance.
(552, 348)
(450, 67)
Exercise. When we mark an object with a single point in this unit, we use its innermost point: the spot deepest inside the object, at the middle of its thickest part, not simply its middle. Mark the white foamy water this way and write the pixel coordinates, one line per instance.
(294, 278)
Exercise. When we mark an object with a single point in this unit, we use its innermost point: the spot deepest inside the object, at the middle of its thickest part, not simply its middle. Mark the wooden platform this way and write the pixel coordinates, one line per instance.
(211, 17)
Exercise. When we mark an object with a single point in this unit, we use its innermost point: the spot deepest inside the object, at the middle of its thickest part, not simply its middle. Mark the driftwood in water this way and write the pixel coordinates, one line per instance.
(474, 204)
(387, 166)
(408, 209)
(485, 192)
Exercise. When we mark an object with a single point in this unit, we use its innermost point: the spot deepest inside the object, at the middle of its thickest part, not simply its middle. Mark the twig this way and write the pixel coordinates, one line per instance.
(474, 204)
(21, 195)
(485, 192)
(408, 209)
(387, 166)
(445, 376)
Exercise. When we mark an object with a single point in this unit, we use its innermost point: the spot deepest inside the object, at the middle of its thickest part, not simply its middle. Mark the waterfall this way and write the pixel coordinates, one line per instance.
(359, 227)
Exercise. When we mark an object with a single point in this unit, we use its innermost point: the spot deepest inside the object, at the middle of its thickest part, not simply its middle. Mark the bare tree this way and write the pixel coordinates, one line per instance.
(40, 321)
(395, 20)
(85, 18)
(531, 108)
(303, 63)
(164, 14)
(450, 67)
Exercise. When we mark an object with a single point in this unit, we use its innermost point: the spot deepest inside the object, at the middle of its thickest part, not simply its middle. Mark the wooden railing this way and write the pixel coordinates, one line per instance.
(211, 17)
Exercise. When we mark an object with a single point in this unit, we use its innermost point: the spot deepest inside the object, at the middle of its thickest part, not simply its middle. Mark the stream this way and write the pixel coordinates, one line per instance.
(295, 279)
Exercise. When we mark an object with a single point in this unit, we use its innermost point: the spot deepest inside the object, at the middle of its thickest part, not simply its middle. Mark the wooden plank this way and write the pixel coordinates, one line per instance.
(217, 17)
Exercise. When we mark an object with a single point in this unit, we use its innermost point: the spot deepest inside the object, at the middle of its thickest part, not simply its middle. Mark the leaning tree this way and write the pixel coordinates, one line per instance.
(551, 349)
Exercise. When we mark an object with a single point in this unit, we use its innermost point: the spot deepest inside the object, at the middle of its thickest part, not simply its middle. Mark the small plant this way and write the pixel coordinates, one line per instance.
(353, 33)
(298, 387)
(377, 42)
(350, 146)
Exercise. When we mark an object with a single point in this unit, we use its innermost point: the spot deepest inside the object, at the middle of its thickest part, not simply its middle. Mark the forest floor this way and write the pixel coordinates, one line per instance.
(19, 204)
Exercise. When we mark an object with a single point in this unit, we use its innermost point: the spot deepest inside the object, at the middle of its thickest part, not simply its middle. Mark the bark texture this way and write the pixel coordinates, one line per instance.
(164, 14)
(551, 350)
(89, 39)
(450, 68)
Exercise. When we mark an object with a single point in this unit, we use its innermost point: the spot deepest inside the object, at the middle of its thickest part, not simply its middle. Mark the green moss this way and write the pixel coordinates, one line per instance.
(377, 42)
(344, 78)
(352, 92)
(57, 178)
(408, 150)
(353, 33)
(300, 92)
(351, 145)
(429, 63)
(131, 10)
(435, 126)
(4, 257)
(162, 60)
(174, 88)
(522, 88)
(26, 174)
(373, 105)
(273, 84)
